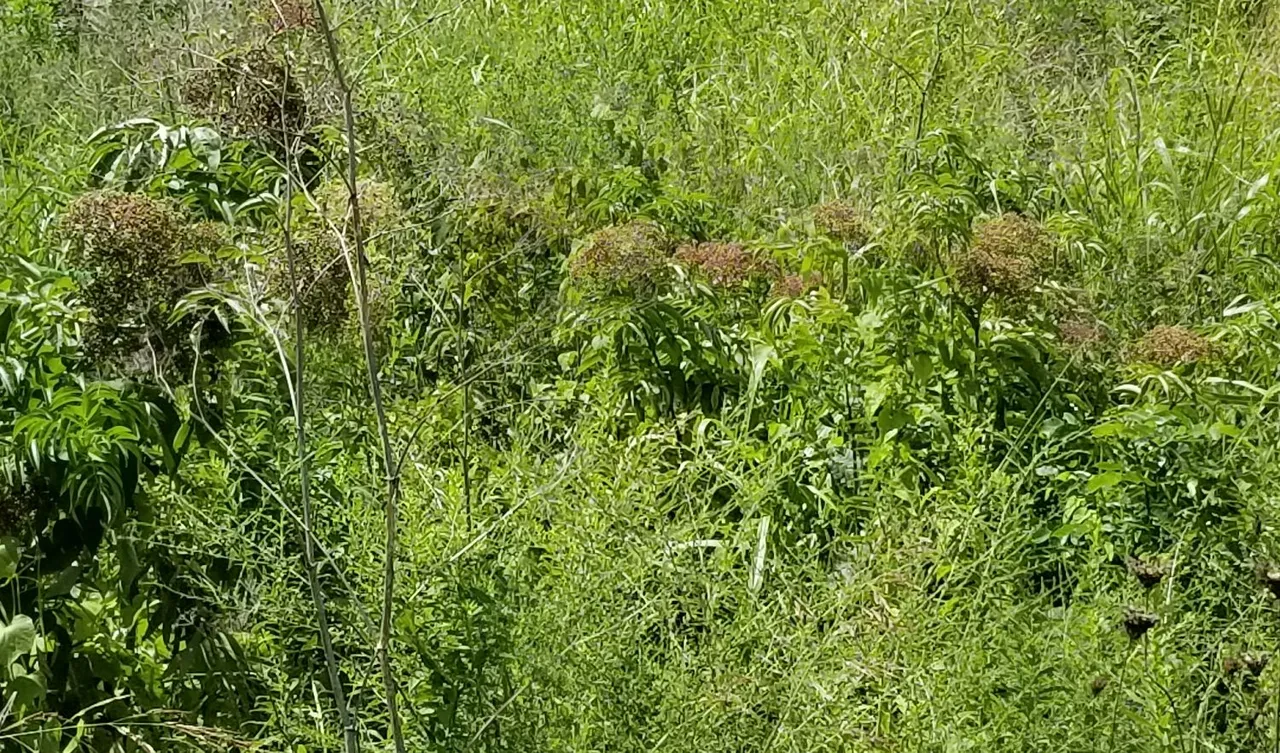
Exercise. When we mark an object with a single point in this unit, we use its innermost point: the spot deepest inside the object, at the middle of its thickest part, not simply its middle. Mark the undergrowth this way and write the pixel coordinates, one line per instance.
(759, 376)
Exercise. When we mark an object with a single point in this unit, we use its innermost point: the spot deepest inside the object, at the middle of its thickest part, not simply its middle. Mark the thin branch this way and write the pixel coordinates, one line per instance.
(466, 384)
(360, 275)
(351, 743)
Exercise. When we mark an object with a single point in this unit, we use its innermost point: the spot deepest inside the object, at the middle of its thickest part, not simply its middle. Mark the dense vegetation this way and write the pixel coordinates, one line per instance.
(715, 375)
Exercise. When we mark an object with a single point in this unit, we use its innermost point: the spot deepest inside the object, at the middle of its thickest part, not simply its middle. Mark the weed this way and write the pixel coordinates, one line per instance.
(1148, 573)
(726, 265)
(637, 513)
(1003, 261)
(622, 259)
(1165, 345)
(842, 222)
(1137, 622)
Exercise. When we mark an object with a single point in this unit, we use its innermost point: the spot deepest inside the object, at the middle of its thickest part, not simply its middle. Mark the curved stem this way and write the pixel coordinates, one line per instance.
(351, 743)
(359, 268)
(1119, 698)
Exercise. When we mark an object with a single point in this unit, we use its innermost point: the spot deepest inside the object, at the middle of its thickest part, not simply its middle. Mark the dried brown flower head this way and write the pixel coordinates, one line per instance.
(1137, 622)
(1168, 346)
(726, 265)
(1099, 684)
(1256, 663)
(622, 259)
(1081, 334)
(1014, 235)
(1004, 259)
(205, 238)
(795, 285)
(132, 249)
(250, 95)
(130, 245)
(1147, 572)
(122, 231)
(843, 222)
(323, 281)
(290, 15)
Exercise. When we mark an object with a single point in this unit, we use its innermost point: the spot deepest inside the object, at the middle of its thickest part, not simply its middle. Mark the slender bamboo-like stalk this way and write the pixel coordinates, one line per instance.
(360, 269)
(351, 743)
(466, 384)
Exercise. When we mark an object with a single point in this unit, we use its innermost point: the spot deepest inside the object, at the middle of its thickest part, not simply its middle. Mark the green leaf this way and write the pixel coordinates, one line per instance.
(16, 639)
(1104, 480)
(1070, 529)
(9, 555)
(1219, 430)
(922, 365)
(1109, 429)
(892, 418)
(27, 690)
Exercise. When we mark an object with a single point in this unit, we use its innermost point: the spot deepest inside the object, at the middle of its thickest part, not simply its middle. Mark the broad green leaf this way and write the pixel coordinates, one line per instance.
(27, 690)
(9, 555)
(1219, 430)
(1109, 429)
(922, 365)
(16, 639)
(1104, 480)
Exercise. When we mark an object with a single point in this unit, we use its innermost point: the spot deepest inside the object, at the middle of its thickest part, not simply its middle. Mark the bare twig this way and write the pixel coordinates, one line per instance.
(351, 743)
(466, 384)
(360, 275)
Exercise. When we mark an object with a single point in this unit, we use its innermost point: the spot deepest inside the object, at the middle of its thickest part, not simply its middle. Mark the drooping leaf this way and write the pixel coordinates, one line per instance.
(16, 639)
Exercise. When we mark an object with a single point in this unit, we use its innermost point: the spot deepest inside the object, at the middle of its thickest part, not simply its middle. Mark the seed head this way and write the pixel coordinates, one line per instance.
(1004, 259)
(795, 286)
(378, 203)
(1081, 334)
(290, 15)
(1137, 622)
(130, 245)
(622, 259)
(323, 280)
(122, 231)
(1013, 235)
(205, 237)
(843, 222)
(1171, 345)
(726, 265)
(250, 95)
(1148, 573)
